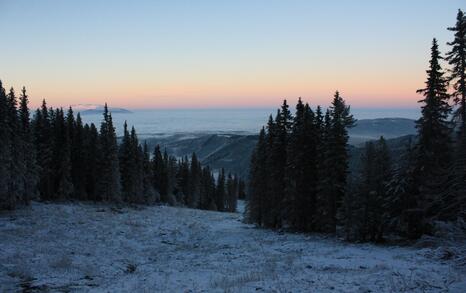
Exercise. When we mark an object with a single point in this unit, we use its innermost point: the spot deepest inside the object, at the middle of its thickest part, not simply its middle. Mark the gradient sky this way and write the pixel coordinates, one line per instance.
(244, 53)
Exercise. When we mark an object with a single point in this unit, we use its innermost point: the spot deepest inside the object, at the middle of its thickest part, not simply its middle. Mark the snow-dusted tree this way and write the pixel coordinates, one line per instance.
(455, 200)
(367, 203)
(434, 130)
(456, 57)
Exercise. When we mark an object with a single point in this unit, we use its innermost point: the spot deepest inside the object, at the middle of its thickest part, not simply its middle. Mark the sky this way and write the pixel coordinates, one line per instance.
(211, 54)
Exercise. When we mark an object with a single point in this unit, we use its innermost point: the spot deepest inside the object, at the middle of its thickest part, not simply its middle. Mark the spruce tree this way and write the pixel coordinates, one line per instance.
(79, 159)
(434, 130)
(16, 166)
(366, 213)
(131, 167)
(63, 185)
(108, 185)
(301, 170)
(92, 155)
(336, 161)
(125, 164)
(456, 57)
(402, 213)
(220, 191)
(242, 189)
(278, 136)
(44, 141)
(455, 201)
(138, 175)
(6, 202)
(157, 171)
(258, 182)
(194, 183)
(27, 152)
(150, 194)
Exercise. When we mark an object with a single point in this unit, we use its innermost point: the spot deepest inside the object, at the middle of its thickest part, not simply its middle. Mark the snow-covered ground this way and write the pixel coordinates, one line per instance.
(97, 248)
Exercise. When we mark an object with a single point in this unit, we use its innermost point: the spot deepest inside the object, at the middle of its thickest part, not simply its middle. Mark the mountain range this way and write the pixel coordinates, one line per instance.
(233, 151)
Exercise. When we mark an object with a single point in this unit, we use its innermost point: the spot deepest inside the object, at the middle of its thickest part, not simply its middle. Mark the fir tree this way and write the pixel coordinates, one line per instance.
(301, 170)
(150, 194)
(231, 193)
(278, 136)
(366, 210)
(220, 191)
(258, 182)
(17, 167)
(455, 200)
(456, 57)
(63, 185)
(336, 161)
(27, 150)
(92, 155)
(159, 173)
(194, 182)
(6, 202)
(79, 160)
(108, 185)
(242, 189)
(43, 141)
(434, 129)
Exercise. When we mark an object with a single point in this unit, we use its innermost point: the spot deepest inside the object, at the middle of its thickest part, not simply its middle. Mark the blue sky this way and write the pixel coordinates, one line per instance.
(219, 53)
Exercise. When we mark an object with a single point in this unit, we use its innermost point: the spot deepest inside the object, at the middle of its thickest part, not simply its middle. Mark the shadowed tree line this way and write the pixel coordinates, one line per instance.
(55, 156)
(299, 169)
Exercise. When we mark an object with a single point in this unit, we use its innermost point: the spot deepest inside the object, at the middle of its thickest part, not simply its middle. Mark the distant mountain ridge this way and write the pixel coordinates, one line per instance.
(233, 151)
(96, 109)
(369, 129)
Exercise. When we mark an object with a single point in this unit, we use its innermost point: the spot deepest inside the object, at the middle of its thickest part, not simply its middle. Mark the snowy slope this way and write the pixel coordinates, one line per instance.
(97, 248)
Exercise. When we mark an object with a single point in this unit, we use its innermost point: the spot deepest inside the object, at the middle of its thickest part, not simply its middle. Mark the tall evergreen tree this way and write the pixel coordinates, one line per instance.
(455, 201)
(336, 161)
(44, 141)
(365, 214)
(278, 136)
(301, 170)
(27, 150)
(108, 186)
(456, 57)
(159, 173)
(194, 183)
(258, 182)
(78, 158)
(63, 185)
(91, 146)
(402, 213)
(6, 202)
(150, 194)
(17, 167)
(131, 167)
(220, 191)
(434, 129)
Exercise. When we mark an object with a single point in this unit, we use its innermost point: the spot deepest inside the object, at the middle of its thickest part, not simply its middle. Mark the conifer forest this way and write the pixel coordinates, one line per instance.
(320, 199)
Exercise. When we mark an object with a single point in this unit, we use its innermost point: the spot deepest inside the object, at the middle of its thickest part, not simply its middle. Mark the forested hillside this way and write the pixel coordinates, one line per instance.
(300, 167)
